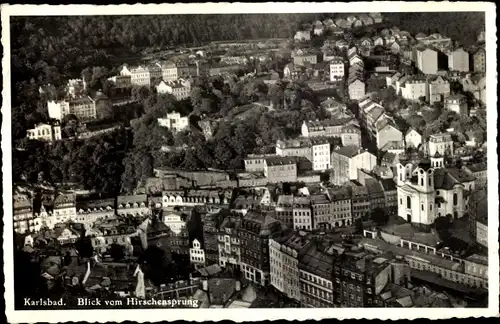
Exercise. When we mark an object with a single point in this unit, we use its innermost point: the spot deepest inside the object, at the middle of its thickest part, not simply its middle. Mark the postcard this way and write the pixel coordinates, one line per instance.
(217, 161)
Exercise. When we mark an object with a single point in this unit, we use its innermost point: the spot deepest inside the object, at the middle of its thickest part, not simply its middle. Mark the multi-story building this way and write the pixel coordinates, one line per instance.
(23, 215)
(132, 205)
(419, 262)
(121, 81)
(480, 172)
(254, 232)
(302, 60)
(302, 213)
(360, 202)
(280, 169)
(45, 132)
(84, 108)
(284, 251)
(477, 210)
(197, 255)
(284, 210)
(479, 60)
(321, 217)
(229, 243)
(426, 60)
(302, 36)
(390, 194)
(169, 71)
(340, 206)
(155, 71)
(458, 60)
(315, 274)
(457, 103)
(414, 88)
(345, 162)
(180, 89)
(438, 88)
(375, 193)
(337, 70)
(89, 211)
(386, 130)
(75, 87)
(334, 127)
(316, 150)
(139, 76)
(442, 143)
(174, 122)
(426, 191)
(103, 235)
(359, 278)
(255, 162)
(351, 136)
(413, 138)
(191, 198)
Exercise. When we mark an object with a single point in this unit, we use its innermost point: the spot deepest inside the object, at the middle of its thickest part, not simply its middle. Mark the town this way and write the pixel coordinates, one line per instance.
(344, 166)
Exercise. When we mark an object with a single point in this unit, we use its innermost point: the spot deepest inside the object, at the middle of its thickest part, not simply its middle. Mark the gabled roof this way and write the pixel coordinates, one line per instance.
(348, 151)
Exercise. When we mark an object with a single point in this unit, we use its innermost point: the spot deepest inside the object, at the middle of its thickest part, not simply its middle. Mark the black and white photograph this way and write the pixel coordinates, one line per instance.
(180, 160)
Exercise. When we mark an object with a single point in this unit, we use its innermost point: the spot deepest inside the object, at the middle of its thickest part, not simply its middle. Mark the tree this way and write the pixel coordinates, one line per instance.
(379, 216)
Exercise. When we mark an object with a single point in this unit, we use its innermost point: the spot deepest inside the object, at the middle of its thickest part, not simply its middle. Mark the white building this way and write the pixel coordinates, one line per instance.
(197, 255)
(413, 89)
(458, 104)
(174, 122)
(84, 108)
(170, 72)
(45, 132)
(302, 213)
(175, 222)
(229, 243)
(284, 265)
(426, 192)
(458, 60)
(23, 217)
(413, 138)
(442, 143)
(180, 89)
(139, 76)
(337, 70)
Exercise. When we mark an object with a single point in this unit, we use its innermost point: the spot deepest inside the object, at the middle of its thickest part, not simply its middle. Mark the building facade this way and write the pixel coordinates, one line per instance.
(174, 122)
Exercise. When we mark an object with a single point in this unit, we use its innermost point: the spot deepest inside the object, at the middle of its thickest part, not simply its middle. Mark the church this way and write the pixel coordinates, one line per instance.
(427, 190)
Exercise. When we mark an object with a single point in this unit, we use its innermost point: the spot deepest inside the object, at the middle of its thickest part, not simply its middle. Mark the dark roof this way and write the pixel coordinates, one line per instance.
(279, 160)
(348, 151)
(316, 262)
(477, 167)
(388, 184)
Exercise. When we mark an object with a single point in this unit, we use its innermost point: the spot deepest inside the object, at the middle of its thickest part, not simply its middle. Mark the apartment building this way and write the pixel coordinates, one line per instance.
(438, 88)
(139, 76)
(180, 89)
(479, 60)
(280, 169)
(337, 70)
(315, 276)
(44, 132)
(414, 88)
(321, 216)
(316, 150)
(426, 60)
(442, 143)
(458, 60)
(255, 231)
(340, 207)
(84, 108)
(302, 213)
(284, 210)
(174, 122)
(347, 160)
(284, 251)
(228, 241)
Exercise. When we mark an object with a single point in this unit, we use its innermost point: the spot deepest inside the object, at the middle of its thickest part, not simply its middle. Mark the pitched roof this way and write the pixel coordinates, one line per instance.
(348, 151)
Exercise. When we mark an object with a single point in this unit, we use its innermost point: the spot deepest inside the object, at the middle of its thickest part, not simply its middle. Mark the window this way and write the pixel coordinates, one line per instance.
(408, 202)
(422, 207)
(455, 199)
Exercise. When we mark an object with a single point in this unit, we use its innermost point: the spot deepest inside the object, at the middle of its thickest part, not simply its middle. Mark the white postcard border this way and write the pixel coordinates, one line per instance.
(251, 314)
